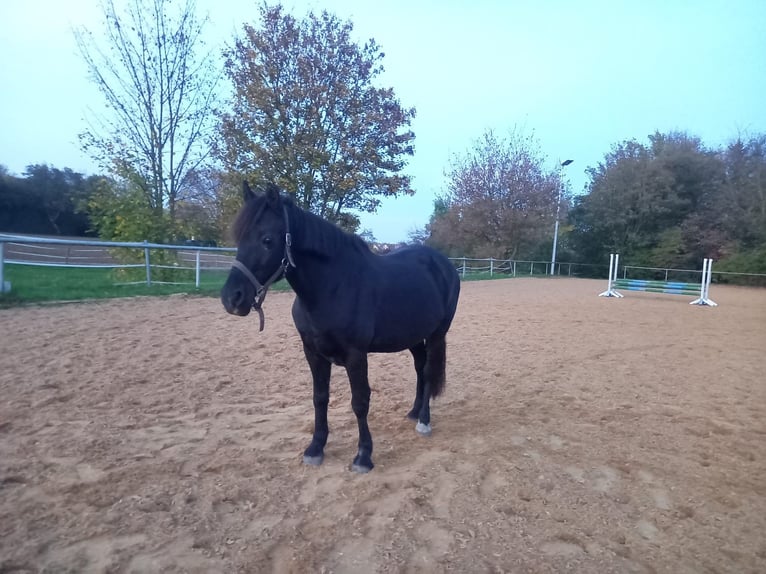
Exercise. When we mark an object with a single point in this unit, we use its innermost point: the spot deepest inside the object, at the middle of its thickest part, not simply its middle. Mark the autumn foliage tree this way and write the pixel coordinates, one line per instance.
(741, 204)
(673, 201)
(307, 114)
(500, 200)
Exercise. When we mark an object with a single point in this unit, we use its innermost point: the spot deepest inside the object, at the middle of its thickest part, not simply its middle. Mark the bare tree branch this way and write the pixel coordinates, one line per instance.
(159, 87)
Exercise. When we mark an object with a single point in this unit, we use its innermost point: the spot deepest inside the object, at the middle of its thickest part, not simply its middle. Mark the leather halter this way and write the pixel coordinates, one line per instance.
(261, 290)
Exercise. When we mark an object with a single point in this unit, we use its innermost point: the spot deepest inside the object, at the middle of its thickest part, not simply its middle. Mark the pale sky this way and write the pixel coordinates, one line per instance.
(582, 75)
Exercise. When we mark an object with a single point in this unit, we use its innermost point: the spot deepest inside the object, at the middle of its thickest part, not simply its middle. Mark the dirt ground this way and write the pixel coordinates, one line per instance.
(577, 434)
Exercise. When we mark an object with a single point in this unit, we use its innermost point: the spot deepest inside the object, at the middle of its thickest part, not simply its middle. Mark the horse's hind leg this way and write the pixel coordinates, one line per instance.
(418, 412)
(320, 373)
(433, 378)
(419, 356)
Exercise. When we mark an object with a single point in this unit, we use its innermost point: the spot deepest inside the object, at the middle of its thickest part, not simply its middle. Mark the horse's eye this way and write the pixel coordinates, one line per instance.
(267, 241)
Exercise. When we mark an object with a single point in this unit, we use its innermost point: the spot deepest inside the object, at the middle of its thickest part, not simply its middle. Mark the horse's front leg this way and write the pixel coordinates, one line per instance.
(320, 373)
(356, 367)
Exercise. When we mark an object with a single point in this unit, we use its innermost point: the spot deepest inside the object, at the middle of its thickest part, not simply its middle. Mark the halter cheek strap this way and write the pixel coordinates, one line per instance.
(288, 240)
(261, 290)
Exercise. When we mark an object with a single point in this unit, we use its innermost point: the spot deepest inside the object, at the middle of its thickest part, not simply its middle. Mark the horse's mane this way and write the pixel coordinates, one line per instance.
(314, 234)
(309, 231)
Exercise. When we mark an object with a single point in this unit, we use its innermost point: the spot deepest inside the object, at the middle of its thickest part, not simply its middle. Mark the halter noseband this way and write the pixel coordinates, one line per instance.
(261, 290)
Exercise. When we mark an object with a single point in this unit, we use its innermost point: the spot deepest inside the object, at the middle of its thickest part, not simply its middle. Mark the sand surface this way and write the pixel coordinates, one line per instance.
(577, 434)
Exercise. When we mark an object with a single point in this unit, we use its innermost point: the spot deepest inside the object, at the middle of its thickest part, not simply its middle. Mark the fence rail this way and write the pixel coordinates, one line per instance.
(160, 268)
(96, 254)
(468, 266)
(510, 267)
(667, 274)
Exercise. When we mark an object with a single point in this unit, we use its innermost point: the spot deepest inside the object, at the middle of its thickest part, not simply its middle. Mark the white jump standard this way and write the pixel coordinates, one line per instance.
(614, 260)
(701, 290)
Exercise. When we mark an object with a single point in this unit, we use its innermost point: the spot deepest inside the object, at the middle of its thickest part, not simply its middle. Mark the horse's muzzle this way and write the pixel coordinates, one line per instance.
(235, 300)
(237, 304)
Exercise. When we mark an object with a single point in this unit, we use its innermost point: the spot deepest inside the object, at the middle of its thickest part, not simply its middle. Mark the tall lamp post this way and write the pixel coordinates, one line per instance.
(558, 210)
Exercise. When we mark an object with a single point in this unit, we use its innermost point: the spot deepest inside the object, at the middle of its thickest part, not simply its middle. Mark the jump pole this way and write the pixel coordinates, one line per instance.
(614, 261)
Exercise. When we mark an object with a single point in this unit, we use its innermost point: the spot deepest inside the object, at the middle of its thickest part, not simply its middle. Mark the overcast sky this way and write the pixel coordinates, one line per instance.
(582, 75)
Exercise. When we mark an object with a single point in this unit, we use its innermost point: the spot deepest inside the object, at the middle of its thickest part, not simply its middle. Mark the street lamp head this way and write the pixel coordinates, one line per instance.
(566, 162)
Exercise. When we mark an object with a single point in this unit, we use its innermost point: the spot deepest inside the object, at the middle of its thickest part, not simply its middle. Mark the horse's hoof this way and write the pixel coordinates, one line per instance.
(423, 430)
(313, 460)
(362, 464)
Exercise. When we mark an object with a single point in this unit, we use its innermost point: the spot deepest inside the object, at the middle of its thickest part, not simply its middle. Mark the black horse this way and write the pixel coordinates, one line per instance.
(349, 302)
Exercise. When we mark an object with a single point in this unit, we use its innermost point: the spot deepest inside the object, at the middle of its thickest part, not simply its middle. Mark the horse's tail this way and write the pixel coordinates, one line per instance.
(436, 345)
(436, 363)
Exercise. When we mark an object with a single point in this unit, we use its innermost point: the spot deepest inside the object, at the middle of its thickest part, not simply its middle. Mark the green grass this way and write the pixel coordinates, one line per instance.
(32, 284)
(483, 276)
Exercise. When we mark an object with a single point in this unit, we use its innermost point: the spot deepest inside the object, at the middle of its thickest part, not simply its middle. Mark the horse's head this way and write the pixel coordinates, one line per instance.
(261, 231)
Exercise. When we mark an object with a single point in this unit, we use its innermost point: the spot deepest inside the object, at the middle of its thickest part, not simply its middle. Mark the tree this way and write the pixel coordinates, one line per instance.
(60, 194)
(742, 203)
(609, 218)
(500, 200)
(119, 212)
(307, 115)
(205, 214)
(159, 92)
(737, 213)
(422, 235)
(651, 203)
(45, 201)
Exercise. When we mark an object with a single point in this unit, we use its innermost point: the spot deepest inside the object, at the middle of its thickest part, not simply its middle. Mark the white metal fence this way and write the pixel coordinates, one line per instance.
(667, 274)
(86, 253)
(83, 253)
(511, 267)
(148, 257)
(467, 266)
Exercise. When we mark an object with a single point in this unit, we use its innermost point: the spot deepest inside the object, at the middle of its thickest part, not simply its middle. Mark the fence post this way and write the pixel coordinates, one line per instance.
(4, 287)
(463, 274)
(491, 266)
(196, 278)
(148, 267)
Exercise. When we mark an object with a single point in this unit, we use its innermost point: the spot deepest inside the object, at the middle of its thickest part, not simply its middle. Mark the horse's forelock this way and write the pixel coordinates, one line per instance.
(251, 212)
(247, 217)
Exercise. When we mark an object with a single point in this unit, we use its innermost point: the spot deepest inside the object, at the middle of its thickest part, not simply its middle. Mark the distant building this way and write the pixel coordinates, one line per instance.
(383, 248)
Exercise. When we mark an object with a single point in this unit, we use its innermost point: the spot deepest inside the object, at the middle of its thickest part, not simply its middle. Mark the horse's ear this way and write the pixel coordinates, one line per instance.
(247, 193)
(272, 195)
